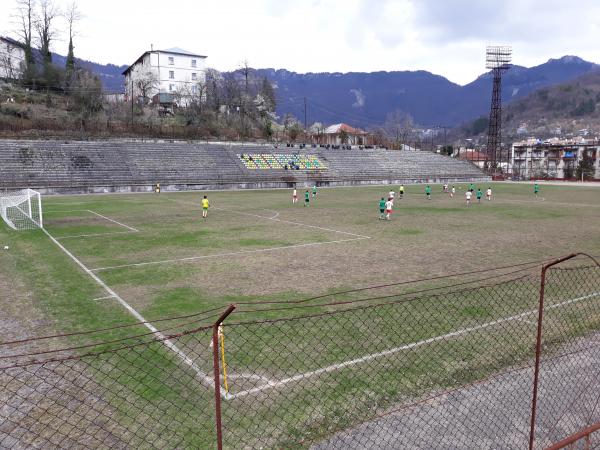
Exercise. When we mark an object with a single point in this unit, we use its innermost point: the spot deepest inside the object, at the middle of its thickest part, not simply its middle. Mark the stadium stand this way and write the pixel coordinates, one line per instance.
(129, 165)
(287, 161)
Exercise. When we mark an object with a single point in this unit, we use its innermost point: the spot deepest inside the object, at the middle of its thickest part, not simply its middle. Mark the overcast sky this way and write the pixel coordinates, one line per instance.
(446, 37)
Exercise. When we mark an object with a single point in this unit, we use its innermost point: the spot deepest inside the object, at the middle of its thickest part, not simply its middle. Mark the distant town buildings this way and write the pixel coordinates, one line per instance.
(174, 71)
(555, 158)
(12, 58)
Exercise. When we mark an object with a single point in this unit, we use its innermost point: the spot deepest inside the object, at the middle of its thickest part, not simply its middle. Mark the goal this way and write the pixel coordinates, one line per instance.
(22, 210)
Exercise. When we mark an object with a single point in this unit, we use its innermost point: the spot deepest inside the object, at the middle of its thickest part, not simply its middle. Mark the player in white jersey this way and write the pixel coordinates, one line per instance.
(488, 193)
(294, 196)
(468, 195)
(388, 209)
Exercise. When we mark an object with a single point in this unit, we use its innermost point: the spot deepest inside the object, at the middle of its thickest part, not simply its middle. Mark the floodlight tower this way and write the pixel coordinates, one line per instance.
(498, 59)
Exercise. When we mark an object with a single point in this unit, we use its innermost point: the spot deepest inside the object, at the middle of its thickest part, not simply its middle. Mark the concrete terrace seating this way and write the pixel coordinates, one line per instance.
(103, 166)
(280, 160)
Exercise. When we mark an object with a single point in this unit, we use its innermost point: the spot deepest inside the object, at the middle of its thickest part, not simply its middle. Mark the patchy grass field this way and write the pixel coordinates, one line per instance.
(161, 258)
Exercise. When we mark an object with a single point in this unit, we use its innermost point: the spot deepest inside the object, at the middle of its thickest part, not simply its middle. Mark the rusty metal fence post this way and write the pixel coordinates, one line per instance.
(217, 375)
(538, 343)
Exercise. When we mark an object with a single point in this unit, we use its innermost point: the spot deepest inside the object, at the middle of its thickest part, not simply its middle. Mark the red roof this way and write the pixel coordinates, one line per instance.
(338, 128)
(472, 155)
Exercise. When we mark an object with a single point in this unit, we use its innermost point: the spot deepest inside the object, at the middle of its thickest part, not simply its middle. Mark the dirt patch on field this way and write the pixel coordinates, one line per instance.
(51, 405)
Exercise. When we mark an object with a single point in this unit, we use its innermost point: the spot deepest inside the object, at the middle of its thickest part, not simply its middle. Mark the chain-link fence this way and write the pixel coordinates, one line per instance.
(449, 362)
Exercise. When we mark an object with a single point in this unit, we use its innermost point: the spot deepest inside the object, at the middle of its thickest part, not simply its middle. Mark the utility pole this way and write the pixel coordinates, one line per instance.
(131, 76)
(305, 127)
(445, 130)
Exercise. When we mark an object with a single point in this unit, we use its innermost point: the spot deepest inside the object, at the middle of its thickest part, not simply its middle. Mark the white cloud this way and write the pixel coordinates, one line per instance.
(360, 98)
(445, 37)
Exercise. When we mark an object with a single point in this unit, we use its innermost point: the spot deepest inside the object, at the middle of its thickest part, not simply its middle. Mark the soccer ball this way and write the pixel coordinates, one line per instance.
(6, 247)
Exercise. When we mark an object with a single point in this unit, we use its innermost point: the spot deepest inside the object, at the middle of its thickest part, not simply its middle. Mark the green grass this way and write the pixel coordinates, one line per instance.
(423, 239)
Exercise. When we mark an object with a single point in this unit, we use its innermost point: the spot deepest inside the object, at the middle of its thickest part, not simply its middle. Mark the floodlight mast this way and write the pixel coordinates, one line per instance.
(497, 59)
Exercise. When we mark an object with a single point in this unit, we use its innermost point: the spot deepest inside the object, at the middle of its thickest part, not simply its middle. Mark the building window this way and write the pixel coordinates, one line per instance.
(193, 63)
(194, 89)
(171, 60)
(171, 87)
(172, 74)
(194, 77)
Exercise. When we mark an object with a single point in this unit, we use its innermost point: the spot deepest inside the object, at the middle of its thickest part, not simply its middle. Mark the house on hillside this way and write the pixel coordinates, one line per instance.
(476, 157)
(12, 58)
(174, 71)
(342, 134)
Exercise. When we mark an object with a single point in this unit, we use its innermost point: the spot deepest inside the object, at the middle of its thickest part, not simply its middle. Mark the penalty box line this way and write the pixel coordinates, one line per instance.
(353, 362)
(203, 377)
(220, 255)
(276, 219)
(361, 236)
(355, 237)
(129, 228)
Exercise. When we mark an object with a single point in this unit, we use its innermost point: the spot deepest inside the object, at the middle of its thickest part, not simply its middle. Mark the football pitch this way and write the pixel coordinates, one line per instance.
(108, 260)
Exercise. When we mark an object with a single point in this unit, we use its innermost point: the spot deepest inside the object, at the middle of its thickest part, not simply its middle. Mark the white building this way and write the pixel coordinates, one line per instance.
(342, 134)
(12, 58)
(173, 71)
(554, 159)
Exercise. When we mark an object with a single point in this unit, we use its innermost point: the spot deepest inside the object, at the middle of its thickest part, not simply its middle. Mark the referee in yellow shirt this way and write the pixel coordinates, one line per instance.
(205, 206)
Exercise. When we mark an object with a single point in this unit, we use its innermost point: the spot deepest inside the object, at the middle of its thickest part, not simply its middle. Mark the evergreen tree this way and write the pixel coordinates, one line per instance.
(70, 64)
(72, 15)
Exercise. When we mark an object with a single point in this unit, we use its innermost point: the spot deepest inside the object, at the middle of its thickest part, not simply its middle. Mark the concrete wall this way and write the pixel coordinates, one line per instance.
(251, 185)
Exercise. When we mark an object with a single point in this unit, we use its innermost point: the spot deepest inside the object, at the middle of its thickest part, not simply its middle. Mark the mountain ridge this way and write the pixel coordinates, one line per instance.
(364, 99)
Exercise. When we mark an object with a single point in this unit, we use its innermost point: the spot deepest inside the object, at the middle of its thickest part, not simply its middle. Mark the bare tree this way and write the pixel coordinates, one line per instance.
(213, 84)
(145, 82)
(231, 92)
(25, 19)
(399, 127)
(268, 93)
(48, 12)
(87, 95)
(9, 64)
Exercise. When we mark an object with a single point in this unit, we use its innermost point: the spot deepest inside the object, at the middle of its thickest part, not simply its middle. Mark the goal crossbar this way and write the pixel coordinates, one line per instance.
(22, 210)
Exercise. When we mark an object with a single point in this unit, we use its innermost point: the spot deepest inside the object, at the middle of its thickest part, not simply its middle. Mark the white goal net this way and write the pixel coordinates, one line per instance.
(22, 210)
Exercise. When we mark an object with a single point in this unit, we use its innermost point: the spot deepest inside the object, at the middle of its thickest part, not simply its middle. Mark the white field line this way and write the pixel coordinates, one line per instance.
(94, 234)
(335, 367)
(131, 229)
(203, 377)
(102, 298)
(296, 223)
(542, 199)
(114, 221)
(247, 376)
(356, 237)
(220, 255)
(52, 211)
(530, 322)
(274, 218)
(70, 203)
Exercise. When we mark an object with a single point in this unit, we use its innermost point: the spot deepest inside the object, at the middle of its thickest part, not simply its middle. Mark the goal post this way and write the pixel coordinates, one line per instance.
(22, 210)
